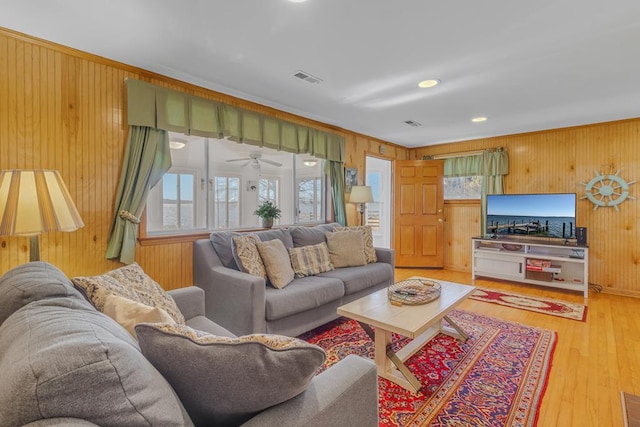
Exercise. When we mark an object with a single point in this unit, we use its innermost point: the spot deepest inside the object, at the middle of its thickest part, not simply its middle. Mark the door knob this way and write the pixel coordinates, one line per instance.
(440, 220)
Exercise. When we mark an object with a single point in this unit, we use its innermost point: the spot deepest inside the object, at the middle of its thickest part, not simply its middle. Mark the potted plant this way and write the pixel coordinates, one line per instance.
(268, 211)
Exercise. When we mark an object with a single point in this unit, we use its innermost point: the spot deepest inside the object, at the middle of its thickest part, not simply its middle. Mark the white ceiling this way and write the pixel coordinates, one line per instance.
(525, 65)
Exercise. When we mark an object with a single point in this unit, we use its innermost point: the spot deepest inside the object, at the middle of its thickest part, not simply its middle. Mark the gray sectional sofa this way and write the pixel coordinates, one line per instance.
(245, 304)
(64, 363)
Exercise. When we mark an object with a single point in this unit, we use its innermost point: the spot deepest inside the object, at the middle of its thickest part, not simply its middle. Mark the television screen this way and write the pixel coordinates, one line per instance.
(544, 215)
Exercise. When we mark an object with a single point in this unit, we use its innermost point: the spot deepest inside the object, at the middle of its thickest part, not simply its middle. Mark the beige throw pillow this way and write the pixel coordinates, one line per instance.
(276, 261)
(129, 313)
(346, 249)
(310, 260)
(369, 249)
(129, 282)
(247, 256)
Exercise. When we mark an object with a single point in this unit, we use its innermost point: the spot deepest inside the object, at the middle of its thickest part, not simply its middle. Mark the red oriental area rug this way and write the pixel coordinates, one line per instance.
(553, 307)
(497, 378)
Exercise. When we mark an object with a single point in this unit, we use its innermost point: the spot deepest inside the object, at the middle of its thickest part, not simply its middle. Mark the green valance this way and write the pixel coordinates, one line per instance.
(162, 108)
(489, 163)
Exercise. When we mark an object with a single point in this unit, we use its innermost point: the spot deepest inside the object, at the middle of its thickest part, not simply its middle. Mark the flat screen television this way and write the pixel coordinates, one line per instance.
(537, 215)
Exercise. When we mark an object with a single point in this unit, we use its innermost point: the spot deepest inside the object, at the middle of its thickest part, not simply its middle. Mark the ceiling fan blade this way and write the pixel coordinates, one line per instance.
(271, 162)
(246, 163)
(238, 160)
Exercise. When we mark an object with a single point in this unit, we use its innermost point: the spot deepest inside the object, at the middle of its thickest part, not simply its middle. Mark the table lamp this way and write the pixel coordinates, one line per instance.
(33, 202)
(361, 194)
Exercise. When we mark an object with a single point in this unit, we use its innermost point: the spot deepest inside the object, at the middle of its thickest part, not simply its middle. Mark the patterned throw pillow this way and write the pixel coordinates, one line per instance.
(369, 250)
(346, 249)
(310, 260)
(129, 282)
(247, 256)
(277, 262)
(225, 381)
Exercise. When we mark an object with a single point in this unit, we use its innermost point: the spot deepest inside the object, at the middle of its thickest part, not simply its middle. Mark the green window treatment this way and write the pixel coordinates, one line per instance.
(147, 157)
(335, 170)
(162, 108)
(492, 165)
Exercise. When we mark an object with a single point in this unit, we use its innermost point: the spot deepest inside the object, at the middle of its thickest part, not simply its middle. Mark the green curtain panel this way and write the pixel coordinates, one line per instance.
(147, 157)
(335, 171)
(495, 164)
(162, 108)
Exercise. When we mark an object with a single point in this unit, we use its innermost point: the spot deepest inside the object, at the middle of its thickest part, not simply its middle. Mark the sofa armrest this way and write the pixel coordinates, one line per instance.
(233, 299)
(344, 395)
(190, 301)
(386, 255)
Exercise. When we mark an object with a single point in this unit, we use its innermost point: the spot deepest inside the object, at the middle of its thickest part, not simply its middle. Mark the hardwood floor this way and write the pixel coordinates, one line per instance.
(594, 360)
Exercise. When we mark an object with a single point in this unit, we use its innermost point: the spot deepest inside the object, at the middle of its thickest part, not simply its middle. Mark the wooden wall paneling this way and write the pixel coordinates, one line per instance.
(559, 160)
(65, 109)
(462, 219)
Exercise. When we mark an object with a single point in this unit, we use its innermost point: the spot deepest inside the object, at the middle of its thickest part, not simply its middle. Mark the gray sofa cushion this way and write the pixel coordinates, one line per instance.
(358, 278)
(65, 359)
(281, 234)
(222, 242)
(305, 236)
(32, 282)
(300, 295)
(225, 381)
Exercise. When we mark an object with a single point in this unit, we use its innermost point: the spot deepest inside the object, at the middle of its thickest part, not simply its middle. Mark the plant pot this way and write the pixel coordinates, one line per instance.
(267, 222)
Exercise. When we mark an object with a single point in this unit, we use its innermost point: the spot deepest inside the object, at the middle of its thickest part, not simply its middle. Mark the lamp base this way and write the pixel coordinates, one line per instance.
(34, 248)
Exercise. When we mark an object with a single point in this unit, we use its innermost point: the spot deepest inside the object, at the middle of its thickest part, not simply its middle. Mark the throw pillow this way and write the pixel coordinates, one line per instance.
(129, 313)
(277, 263)
(310, 260)
(129, 282)
(369, 249)
(225, 381)
(247, 256)
(346, 249)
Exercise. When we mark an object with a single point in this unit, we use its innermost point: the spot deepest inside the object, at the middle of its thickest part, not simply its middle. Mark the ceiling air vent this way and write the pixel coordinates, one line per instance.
(306, 77)
(413, 123)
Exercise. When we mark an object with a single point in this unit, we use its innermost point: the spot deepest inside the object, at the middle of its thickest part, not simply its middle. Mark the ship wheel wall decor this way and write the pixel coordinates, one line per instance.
(607, 190)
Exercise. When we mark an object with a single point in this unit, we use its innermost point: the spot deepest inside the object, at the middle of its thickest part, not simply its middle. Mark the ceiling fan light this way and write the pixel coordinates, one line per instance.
(310, 162)
(176, 145)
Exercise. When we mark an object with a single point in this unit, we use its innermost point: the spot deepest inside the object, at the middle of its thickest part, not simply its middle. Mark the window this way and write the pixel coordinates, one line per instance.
(462, 187)
(226, 199)
(174, 203)
(309, 199)
(218, 184)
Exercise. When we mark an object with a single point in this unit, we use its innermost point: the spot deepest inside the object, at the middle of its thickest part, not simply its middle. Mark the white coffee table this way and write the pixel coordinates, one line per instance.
(418, 322)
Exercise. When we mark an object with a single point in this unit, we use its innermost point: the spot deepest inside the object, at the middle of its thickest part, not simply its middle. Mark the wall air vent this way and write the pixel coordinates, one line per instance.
(413, 123)
(302, 75)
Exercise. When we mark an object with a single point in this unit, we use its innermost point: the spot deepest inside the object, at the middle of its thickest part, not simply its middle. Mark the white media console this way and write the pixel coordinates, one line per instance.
(537, 262)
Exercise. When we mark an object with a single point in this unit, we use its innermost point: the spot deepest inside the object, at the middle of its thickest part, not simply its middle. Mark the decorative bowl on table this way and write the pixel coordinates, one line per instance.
(413, 291)
(511, 247)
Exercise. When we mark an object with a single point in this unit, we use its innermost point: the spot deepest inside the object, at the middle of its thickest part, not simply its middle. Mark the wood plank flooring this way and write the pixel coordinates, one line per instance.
(594, 361)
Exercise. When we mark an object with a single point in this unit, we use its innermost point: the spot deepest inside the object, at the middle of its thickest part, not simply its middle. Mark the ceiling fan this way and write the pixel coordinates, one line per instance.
(254, 160)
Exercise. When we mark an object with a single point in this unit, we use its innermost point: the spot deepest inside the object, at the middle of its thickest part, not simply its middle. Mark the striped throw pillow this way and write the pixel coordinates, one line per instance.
(310, 260)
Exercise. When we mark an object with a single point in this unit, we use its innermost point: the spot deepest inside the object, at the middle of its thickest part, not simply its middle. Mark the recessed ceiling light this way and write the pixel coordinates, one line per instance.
(428, 83)
(479, 119)
(310, 162)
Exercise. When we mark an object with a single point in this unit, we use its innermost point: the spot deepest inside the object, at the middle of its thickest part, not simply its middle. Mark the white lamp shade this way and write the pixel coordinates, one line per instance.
(361, 194)
(33, 202)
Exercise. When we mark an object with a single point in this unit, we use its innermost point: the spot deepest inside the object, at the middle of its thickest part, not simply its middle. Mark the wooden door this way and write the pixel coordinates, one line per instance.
(418, 213)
